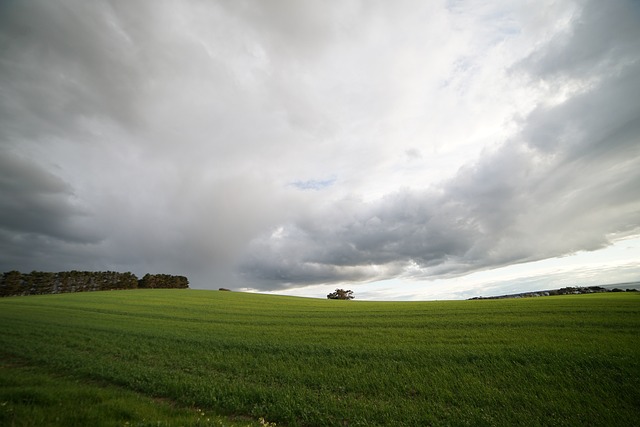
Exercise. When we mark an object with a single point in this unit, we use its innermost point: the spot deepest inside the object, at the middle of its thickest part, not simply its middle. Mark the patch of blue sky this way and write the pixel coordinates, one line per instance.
(314, 184)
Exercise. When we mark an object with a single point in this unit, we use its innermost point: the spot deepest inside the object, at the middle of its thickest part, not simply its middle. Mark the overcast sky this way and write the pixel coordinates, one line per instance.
(407, 149)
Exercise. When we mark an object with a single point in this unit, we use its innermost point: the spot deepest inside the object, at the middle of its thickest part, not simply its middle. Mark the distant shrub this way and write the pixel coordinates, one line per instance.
(341, 294)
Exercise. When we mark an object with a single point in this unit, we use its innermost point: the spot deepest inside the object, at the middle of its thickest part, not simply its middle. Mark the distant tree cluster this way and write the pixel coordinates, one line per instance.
(163, 281)
(38, 283)
(341, 294)
(570, 290)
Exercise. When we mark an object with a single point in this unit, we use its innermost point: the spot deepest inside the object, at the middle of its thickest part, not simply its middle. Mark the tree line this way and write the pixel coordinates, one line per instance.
(15, 283)
(570, 290)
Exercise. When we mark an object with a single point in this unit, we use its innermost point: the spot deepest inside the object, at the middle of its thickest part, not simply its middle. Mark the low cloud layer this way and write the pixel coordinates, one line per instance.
(273, 145)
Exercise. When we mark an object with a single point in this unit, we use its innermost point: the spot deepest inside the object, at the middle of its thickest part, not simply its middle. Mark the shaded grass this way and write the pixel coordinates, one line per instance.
(33, 396)
(571, 360)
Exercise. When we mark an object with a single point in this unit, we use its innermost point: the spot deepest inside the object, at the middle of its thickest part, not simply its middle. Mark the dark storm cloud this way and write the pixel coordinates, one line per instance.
(41, 220)
(34, 201)
(352, 241)
(130, 134)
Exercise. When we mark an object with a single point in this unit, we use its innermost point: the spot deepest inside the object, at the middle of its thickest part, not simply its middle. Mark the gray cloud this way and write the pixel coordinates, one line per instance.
(601, 38)
(65, 61)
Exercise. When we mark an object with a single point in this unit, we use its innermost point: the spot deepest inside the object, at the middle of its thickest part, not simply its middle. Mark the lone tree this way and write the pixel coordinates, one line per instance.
(341, 294)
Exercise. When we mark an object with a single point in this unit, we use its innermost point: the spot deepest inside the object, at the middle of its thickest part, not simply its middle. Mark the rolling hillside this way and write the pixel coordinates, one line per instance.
(566, 360)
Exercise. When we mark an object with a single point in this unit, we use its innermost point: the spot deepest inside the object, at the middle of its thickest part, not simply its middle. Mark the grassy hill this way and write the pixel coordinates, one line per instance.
(176, 354)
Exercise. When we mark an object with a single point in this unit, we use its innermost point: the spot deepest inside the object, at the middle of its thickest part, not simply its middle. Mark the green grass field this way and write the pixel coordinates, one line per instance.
(163, 357)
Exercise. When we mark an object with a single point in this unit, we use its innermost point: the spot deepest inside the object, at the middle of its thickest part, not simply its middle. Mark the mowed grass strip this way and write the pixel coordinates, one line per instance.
(571, 360)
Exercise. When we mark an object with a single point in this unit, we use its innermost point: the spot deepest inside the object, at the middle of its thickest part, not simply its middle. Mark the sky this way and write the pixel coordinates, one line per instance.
(407, 150)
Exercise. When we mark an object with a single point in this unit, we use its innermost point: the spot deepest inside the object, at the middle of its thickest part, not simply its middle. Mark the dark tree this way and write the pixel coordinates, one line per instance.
(341, 294)
(165, 281)
(12, 283)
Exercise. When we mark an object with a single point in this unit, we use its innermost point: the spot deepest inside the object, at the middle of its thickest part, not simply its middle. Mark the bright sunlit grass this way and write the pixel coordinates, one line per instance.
(571, 360)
